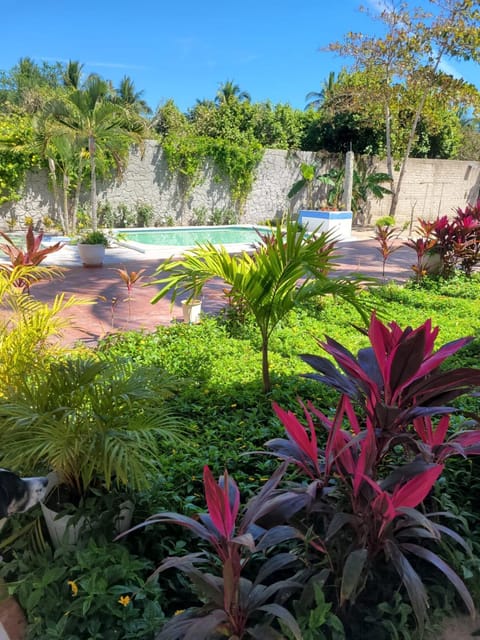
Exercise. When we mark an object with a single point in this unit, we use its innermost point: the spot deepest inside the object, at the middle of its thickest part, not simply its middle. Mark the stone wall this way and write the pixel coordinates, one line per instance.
(430, 187)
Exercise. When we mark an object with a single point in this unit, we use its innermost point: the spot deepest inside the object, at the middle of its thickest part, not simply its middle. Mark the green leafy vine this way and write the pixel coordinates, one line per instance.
(235, 162)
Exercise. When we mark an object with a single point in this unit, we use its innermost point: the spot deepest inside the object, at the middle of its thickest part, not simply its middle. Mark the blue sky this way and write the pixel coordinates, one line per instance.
(184, 50)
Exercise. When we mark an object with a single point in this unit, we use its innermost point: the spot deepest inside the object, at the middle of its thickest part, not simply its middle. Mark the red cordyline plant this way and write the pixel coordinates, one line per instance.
(456, 241)
(387, 237)
(130, 278)
(361, 513)
(31, 255)
(234, 606)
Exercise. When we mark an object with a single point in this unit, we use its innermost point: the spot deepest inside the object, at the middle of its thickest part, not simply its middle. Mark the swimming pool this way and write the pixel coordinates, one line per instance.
(233, 237)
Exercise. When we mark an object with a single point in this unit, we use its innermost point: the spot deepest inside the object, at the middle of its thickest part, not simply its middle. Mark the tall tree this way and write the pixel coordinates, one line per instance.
(315, 99)
(28, 86)
(408, 57)
(72, 74)
(130, 97)
(103, 127)
(229, 92)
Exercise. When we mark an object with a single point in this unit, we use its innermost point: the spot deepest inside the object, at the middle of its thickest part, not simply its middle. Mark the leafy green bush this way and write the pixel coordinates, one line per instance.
(98, 592)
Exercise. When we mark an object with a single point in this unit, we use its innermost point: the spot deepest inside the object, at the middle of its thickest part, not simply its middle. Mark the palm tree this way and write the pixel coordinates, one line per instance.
(315, 99)
(104, 128)
(288, 267)
(229, 92)
(72, 75)
(129, 97)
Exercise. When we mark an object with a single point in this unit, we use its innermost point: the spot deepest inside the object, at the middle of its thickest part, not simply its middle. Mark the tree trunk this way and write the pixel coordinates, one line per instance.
(411, 138)
(267, 385)
(56, 198)
(403, 168)
(76, 199)
(66, 218)
(93, 182)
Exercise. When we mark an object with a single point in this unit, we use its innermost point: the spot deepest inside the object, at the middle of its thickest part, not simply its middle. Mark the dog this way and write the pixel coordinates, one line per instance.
(19, 494)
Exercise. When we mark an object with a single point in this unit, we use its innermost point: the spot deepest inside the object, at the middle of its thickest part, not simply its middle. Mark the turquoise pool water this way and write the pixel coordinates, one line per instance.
(190, 236)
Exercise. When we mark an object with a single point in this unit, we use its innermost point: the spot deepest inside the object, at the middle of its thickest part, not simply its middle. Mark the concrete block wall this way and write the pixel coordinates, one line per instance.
(430, 187)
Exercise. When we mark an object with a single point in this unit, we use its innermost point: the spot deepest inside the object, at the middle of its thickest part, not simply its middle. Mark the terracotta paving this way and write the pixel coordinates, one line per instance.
(112, 312)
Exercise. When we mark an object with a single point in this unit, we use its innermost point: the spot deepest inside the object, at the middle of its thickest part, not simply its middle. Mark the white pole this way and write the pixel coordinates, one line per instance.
(348, 182)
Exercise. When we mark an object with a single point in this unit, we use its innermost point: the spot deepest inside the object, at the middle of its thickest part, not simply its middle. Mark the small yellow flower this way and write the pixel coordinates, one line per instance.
(73, 586)
(178, 612)
(124, 600)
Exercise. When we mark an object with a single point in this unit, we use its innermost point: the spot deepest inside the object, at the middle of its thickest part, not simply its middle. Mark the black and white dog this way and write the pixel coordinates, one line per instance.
(19, 494)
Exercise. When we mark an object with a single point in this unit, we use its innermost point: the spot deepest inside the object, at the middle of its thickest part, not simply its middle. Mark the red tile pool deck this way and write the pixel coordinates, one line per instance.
(112, 312)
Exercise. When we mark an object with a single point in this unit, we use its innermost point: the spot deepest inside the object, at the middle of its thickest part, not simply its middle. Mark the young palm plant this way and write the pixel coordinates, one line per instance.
(90, 421)
(29, 329)
(288, 267)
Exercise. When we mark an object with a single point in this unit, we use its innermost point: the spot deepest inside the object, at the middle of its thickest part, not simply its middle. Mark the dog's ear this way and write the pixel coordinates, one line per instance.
(4, 502)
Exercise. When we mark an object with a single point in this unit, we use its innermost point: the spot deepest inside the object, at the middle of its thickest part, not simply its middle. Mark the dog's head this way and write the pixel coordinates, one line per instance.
(19, 494)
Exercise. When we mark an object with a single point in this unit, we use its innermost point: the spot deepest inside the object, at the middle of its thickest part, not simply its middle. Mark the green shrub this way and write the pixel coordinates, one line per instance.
(98, 592)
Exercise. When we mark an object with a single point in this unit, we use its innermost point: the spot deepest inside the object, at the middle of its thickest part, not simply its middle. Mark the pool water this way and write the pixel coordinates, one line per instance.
(190, 236)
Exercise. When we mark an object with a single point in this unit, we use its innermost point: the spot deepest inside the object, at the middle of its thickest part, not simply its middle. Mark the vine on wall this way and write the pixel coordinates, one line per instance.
(234, 162)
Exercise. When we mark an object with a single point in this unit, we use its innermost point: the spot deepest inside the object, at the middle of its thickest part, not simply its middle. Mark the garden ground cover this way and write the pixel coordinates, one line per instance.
(227, 416)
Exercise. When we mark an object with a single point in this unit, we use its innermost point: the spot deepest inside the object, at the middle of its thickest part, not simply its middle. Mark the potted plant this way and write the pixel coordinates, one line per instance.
(176, 280)
(192, 306)
(325, 216)
(95, 423)
(91, 247)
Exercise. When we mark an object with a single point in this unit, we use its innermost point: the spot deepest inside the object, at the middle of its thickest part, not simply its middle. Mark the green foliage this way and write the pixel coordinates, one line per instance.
(315, 616)
(396, 78)
(385, 221)
(221, 404)
(89, 421)
(230, 133)
(78, 593)
(16, 155)
(28, 326)
(93, 237)
(91, 117)
(267, 281)
(144, 213)
(234, 161)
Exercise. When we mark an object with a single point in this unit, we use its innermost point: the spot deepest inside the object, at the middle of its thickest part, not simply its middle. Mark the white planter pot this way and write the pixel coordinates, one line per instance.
(191, 311)
(91, 255)
(124, 519)
(339, 223)
(61, 529)
(432, 263)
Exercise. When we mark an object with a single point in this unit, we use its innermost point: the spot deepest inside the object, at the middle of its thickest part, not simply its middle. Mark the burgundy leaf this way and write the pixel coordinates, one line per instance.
(255, 504)
(273, 564)
(405, 363)
(218, 503)
(297, 432)
(410, 578)
(447, 350)
(416, 490)
(283, 614)
(352, 574)
(447, 571)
